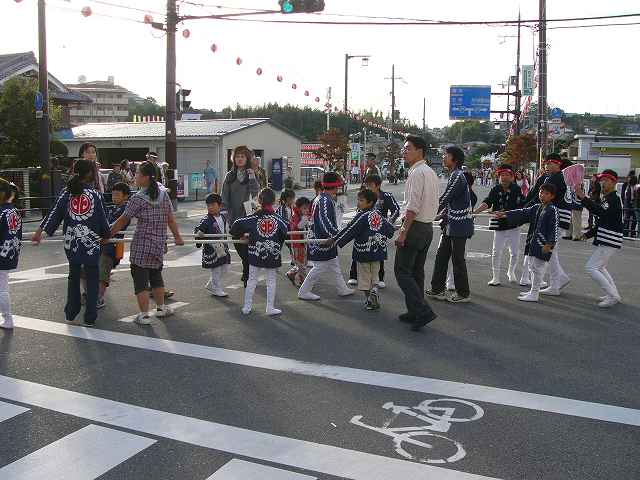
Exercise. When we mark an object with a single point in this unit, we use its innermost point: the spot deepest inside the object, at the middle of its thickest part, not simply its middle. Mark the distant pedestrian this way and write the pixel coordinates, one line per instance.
(628, 204)
(416, 233)
(89, 152)
(261, 174)
(115, 176)
(129, 177)
(151, 207)
(211, 178)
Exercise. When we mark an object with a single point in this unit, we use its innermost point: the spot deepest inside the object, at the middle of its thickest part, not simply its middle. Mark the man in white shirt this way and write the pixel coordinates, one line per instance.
(422, 191)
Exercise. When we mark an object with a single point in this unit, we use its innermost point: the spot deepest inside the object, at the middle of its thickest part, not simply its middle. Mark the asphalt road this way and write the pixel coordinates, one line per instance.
(535, 391)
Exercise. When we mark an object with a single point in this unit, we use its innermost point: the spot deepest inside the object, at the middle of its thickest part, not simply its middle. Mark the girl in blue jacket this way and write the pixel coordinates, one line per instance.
(10, 243)
(81, 211)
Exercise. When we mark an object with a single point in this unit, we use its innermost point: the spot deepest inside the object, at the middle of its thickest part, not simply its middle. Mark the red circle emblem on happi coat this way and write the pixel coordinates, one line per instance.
(267, 226)
(375, 220)
(81, 207)
(14, 222)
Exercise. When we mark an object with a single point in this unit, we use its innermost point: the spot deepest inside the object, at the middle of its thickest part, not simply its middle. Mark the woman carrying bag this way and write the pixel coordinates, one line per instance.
(240, 186)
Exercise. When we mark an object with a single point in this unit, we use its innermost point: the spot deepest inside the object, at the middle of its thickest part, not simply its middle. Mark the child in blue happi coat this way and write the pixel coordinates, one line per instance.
(266, 232)
(324, 225)
(369, 231)
(543, 220)
(81, 211)
(10, 244)
(215, 256)
(111, 253)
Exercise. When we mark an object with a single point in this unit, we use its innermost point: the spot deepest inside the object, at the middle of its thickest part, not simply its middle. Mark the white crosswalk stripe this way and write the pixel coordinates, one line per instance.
(83, 455)
(241, 470)
(301, 454)
(8, 410)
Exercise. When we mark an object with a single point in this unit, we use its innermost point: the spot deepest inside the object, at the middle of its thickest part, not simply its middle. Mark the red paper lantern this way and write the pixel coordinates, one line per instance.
(306, 93)
(259, 71)
(294, 86)
(148, 18)
(86, 11)
(214, 48)
(279, 78)
(317, 99)
(238, 61)
(186, 33)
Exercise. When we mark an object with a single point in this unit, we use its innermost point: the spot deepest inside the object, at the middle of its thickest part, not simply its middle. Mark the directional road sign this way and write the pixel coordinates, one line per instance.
(470, 102)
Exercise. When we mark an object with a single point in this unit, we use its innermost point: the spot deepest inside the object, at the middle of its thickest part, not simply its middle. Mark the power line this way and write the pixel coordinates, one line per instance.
(407, 23)
(595, 25)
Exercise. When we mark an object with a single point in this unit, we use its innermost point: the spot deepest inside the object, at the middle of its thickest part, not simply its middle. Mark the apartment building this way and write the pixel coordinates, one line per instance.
(110, 102)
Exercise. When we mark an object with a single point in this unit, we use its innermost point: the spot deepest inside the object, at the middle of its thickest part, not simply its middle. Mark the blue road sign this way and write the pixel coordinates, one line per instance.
(556, 113)
(470, 102)
(39, 101)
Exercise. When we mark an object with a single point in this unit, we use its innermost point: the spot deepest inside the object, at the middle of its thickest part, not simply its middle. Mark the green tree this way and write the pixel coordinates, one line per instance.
(148, 107)
(19, 128)
(521, 150)
(334, 150)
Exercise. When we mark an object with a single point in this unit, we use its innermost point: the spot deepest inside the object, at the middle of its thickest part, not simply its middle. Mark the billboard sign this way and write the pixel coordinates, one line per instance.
(527, 80)
(470, 102)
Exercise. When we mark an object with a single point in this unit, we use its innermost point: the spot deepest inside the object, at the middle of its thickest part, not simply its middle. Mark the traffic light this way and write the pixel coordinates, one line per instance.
(301, 6)
(184, 103)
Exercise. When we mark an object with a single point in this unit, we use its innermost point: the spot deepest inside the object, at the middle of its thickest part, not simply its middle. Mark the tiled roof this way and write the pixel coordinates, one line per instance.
(14, 62)
(184, 128)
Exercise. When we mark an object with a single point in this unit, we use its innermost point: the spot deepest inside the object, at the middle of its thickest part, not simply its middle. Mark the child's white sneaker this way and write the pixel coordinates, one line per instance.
(308, 296)
(529, 297)
(164, 311)
(246, 310)
(494, 282)
(142, 318)
(608, 302)
(218, 292)
(273, 311)
(7, 324)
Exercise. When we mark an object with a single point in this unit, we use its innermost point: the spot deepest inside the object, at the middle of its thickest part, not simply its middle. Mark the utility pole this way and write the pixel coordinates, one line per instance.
(424, 118)
(393, 100)
(328, 109)
(46, 176)
(171, 143)
(346, 83)
(518, 90)
(542, 82)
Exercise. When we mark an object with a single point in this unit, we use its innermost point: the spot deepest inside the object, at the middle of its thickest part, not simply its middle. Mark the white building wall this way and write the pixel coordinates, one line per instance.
(273, 141)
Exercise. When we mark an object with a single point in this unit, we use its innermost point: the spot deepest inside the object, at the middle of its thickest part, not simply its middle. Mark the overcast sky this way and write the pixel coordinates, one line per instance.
(590, 70)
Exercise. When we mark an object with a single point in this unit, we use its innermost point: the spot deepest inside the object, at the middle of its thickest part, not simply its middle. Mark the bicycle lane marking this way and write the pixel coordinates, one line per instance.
(436, 415)
(305, 455)
(468, 391)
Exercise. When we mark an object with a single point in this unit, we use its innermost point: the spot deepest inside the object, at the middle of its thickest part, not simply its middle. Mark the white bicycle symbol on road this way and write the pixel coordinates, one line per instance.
(438, 416)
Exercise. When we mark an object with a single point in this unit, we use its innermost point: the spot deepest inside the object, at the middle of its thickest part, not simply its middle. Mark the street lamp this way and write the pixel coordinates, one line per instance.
(347, 57)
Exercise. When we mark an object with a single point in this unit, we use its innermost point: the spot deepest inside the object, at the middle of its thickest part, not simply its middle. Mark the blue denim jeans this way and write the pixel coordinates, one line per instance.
(74, 297)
